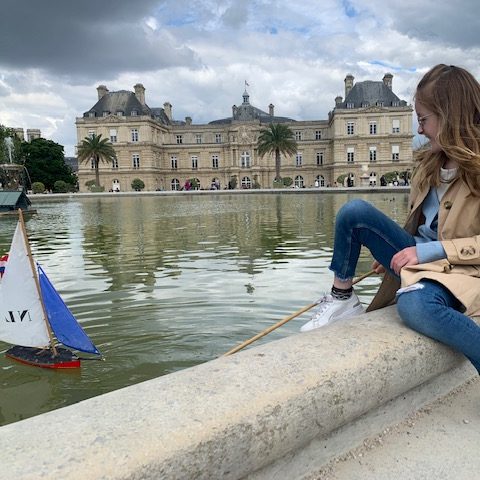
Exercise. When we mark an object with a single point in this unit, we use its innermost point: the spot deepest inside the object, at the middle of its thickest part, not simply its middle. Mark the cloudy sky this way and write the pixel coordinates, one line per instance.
(197, 54)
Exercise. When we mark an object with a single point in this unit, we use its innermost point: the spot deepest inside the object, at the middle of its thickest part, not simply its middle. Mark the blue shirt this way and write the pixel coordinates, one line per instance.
(429, 248)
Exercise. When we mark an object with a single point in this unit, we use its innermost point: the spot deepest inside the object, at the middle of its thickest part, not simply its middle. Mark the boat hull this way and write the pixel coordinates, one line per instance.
(44, 358)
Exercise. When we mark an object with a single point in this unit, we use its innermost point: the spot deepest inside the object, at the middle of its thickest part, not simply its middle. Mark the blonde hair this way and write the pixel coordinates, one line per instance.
(453, 94)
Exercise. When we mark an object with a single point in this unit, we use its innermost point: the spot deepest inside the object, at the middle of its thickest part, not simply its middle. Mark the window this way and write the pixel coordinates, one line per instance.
(136, 161)
(320, 181)
(194, 162)
(119, 113)
(115, 163)
(350, 128)
(214, 161)
(372, 154)
(372, 179)
(319, 158)
(245, 159)
(173, 162)
(379, 104)
(299, 159)
(92, 163)
(91, 133)
(134, 132)
(218, 138)
(395, 153)
(395, 103)
(318, 134)
(373, 128)
(350, 154)
(113, 135)
(198, 138)
(106, 113)
(298, 181)
(395, 126)
(91, 114)
(298, 135)
(179, 139)
(175, 184)
(134, 113)
(350, 105)
(246, 182)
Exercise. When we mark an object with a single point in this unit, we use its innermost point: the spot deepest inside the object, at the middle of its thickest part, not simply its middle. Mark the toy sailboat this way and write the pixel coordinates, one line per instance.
(32, 312)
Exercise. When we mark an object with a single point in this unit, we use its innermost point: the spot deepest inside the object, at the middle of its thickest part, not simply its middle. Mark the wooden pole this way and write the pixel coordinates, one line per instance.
(285, 320)
(37, 283)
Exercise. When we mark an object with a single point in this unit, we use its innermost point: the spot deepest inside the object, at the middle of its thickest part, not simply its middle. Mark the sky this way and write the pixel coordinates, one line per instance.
(199, 54)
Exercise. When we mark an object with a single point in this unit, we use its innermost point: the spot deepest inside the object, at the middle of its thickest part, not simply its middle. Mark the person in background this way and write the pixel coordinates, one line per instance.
(435, 258)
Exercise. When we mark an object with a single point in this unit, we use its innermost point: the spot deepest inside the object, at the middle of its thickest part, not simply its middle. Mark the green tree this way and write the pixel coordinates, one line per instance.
(38, 187)
(278, 139)
(97, 149)
(138, 184)
(45, 162)
(60, 187)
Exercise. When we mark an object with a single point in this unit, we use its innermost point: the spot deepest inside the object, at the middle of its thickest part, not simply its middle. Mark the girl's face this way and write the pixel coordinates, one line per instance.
(428, 125)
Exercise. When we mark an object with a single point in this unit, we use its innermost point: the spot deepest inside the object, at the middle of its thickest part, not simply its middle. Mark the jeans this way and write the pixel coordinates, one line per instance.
(432, 310)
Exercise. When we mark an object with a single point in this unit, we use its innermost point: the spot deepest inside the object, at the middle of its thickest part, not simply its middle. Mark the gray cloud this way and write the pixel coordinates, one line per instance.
(87, 38)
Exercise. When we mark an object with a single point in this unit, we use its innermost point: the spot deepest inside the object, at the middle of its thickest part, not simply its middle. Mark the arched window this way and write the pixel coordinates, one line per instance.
(175, 184)
(246, 182)
(320, 180)
(298, 181)
(373, 178)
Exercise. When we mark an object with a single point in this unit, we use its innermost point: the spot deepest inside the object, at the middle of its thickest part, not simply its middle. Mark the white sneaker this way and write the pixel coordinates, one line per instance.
(329, 309)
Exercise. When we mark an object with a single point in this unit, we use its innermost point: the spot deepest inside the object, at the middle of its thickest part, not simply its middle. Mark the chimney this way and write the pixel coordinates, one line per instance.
(167, 107)
(140, 93)
(387, 80)
(102, 91)
(338, 100)
(348, 84)
(271, 108)
(234, 111)
(188, 120)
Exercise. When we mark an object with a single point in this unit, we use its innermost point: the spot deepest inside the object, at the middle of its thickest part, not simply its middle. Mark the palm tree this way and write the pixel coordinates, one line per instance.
(276, 138)
(96, 149)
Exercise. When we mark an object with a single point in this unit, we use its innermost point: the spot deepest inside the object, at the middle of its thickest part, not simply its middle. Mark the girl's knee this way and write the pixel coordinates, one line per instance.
(354, 209)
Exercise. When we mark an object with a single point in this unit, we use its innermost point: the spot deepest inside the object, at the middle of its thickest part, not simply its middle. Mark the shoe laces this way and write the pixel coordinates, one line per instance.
(322, 304)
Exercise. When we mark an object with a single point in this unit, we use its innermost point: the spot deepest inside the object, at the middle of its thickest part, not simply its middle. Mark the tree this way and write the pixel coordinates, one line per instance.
(277, 138)
(138, 184)
(45, 162)
(98, 150)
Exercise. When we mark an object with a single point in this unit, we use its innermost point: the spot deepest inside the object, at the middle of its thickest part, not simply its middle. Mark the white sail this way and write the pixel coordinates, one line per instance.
(21, 314)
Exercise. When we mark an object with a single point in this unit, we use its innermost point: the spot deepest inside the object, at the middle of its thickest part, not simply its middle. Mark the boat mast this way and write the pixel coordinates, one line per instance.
(37, 283)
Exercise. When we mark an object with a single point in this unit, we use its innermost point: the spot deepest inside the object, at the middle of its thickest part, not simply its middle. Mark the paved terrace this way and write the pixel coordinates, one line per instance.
(361, 398)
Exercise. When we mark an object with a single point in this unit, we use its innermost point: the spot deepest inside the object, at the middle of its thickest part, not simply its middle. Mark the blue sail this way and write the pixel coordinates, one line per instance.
(63, 323)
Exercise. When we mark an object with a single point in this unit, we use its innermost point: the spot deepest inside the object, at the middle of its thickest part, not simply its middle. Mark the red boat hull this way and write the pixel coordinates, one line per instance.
(44, 358)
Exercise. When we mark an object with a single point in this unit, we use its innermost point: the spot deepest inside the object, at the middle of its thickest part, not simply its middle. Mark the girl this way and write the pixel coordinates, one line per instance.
(437, 254)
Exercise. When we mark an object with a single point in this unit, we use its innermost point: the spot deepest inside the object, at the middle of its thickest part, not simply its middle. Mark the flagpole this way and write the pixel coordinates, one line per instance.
(37, 283)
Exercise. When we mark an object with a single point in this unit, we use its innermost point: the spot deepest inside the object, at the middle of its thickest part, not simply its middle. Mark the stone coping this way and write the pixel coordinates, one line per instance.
(236, 415)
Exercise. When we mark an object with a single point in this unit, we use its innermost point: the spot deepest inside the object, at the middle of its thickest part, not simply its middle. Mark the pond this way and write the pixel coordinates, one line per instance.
(162, 283)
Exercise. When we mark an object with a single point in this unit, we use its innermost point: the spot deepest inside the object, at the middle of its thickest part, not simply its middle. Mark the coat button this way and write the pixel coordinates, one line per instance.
(467, 251)
(447, 205)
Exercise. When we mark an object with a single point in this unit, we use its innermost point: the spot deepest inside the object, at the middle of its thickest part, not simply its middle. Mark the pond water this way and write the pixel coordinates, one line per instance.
(161, 283)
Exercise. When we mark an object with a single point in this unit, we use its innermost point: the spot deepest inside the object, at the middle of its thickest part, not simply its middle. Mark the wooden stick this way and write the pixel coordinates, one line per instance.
(285, 320)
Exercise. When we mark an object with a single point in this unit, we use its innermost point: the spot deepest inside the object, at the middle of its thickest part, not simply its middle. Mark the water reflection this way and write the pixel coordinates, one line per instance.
(164, 283)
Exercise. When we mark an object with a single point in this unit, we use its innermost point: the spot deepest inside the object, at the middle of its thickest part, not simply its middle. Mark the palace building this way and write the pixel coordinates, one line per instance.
(366, 135)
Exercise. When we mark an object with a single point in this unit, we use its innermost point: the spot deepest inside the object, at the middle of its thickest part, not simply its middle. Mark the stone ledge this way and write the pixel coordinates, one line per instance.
(237, 415)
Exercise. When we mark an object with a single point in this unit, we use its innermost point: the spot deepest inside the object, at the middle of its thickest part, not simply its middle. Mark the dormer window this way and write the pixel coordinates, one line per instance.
(134, 113)
(379, 104)
(119, 113)
(91, 114)
(365, 104)
(106, 113)
(395, 103)
(350, 105)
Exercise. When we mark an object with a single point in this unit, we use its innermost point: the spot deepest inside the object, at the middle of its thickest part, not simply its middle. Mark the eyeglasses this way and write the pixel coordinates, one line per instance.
(421, 120)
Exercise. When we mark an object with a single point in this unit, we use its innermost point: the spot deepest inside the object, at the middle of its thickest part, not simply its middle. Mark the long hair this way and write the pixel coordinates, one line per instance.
(453, 94)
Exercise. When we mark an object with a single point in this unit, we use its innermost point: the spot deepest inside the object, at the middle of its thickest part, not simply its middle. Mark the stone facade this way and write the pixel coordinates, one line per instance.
(365, 136)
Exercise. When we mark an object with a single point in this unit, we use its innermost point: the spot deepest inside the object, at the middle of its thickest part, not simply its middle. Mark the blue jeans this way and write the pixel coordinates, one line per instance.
(433, 310)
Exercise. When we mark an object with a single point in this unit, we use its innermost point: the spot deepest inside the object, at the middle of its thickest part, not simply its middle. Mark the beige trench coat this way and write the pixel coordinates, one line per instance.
(459, 232)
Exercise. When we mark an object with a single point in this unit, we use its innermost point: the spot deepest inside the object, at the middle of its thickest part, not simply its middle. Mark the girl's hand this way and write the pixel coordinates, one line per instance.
(407, 256)
(378, 267)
